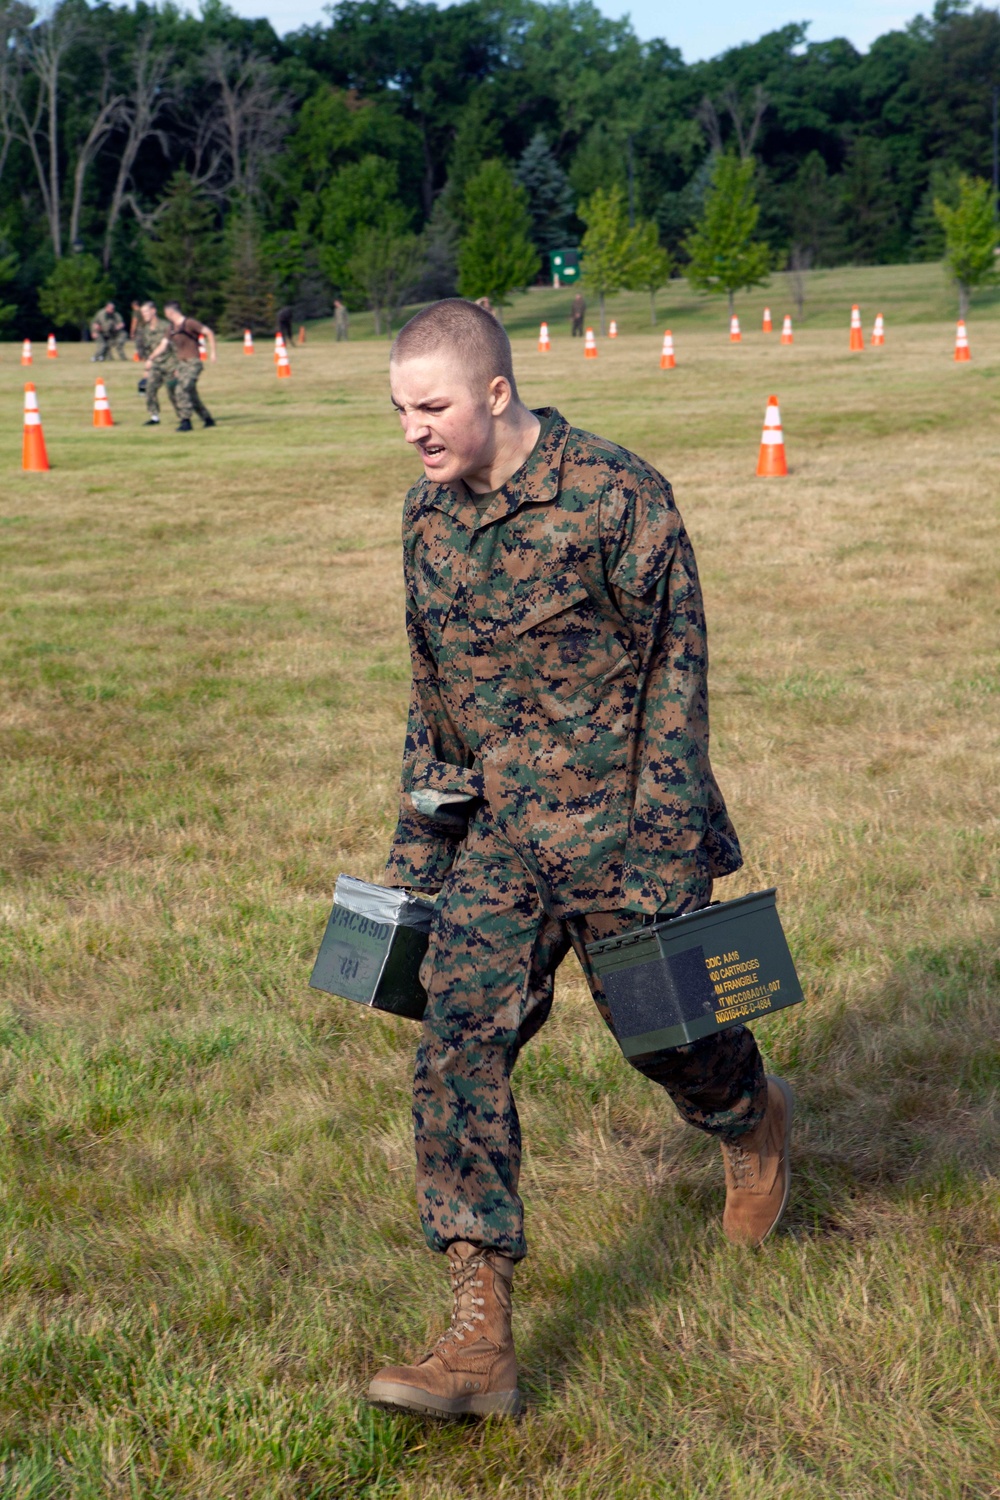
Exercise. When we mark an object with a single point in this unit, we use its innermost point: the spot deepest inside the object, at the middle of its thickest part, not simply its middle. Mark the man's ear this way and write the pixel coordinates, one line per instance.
(501, 395)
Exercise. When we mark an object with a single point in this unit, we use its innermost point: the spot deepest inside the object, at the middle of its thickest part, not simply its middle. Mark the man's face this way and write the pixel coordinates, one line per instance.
(448, 419)
(148, 312)
(174, 315)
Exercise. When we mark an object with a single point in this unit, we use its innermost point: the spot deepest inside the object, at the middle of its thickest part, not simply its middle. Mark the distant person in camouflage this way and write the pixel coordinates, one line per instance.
(161, 369)
(556, 789)
(578, 311)
(183, 341)
(109, 332)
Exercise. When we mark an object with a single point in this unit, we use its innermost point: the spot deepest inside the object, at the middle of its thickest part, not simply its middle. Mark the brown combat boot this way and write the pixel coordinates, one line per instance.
(758, 1171)
(471, 1370)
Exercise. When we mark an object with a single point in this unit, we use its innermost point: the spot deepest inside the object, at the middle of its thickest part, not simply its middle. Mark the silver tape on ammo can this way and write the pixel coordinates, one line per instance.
(678, 980)
(373, 946)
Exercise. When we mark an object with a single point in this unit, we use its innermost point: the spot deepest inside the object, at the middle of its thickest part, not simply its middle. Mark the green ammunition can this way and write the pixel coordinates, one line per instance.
(678, 980)
(373, 946)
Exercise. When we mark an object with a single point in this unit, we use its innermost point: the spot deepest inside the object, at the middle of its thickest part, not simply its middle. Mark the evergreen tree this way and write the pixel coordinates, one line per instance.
(185, 250)
(496, 253)
(724, 256)
(869, 213)
(248, 290)
(550, 197)
(812, 210)
(440, 273)
(649, 265)
(608, 246)
(970, 231)
(8, 268)
(74, 291)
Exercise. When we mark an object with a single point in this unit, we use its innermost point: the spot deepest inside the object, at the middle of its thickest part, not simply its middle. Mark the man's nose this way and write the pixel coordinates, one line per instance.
(414, 428)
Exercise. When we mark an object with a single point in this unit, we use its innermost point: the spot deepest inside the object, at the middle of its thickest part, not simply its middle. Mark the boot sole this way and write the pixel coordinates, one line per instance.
(789, 1099)
(396, 1397)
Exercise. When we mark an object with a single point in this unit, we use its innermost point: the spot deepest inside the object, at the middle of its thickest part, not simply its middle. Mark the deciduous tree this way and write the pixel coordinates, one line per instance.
(496, 253)
(649, 265)
(74, 291)
(725, 258)
(385, 265)
(970, 232)
(608, 246)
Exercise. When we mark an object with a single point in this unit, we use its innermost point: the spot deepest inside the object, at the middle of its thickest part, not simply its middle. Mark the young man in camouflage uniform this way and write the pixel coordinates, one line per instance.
(110, 333)
(150, 333)
(556, 789)
(182, 339)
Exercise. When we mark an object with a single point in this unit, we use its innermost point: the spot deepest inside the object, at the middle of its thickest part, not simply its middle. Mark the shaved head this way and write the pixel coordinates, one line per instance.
(467, 334)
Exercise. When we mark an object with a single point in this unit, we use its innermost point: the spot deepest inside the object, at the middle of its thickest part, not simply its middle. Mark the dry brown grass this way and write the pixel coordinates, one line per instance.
(210, 1237)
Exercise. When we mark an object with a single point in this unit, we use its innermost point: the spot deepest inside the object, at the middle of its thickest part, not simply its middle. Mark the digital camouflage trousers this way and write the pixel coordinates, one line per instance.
(157, 377)
(186, 398)
(489, 974)
(111, 343)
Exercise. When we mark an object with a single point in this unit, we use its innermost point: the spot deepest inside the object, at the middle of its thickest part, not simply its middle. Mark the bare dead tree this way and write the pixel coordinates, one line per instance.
(248, 124)
(110, 107)
(708, 118)
(41, 55)
(148, 98)
(747, 119)
(15, 18)
(746, 133)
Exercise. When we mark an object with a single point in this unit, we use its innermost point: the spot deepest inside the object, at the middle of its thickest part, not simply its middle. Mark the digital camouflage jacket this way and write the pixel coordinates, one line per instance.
(559, 664)
(153, 335)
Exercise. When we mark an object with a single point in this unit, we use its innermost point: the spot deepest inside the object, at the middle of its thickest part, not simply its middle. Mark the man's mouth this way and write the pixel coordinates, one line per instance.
(432, 451)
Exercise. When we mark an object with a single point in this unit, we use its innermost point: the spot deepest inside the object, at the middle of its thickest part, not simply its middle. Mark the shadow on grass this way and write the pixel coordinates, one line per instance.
(898, 1094)
(896, 1101)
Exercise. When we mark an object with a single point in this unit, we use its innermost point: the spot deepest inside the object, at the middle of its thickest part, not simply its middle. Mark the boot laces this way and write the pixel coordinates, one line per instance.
(466, 1281)
(741, 1164)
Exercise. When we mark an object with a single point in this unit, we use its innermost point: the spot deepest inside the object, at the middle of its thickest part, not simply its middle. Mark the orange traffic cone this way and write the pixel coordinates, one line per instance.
(51, 349)
(135, 357)
(102, 406)
(302, 334)
(26, 358)
(857, 337)
(34, 459)
(279, 344)
(667, 361)
(878, 332)
(589, 345)
(613, 330)
(544, 344)
(284, 365)
(735, 337)
(771, 461)
(766, 326)
(786, 331)
(962, 341)
(202, 347)
(247, 341)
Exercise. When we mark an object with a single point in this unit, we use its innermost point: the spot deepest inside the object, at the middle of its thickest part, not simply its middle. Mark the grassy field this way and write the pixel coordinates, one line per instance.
(209, 1239)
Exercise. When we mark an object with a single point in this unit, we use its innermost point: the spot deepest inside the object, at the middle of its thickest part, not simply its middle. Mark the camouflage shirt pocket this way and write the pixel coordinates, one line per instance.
(564, 641)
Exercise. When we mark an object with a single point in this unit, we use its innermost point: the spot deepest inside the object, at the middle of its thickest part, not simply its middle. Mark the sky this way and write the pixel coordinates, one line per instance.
(699, 31)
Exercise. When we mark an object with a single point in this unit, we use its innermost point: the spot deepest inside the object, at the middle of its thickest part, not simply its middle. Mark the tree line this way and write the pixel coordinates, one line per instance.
(400, 152)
